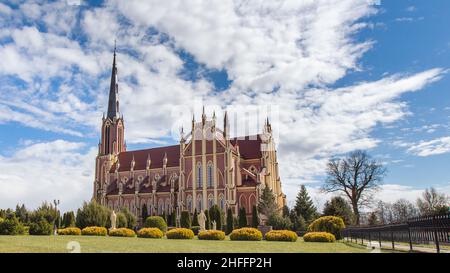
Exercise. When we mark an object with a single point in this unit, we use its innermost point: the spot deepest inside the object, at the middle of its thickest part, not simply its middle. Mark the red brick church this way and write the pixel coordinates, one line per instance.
(207, 167)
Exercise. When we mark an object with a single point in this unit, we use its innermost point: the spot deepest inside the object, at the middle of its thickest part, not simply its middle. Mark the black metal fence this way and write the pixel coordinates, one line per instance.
(430, 230)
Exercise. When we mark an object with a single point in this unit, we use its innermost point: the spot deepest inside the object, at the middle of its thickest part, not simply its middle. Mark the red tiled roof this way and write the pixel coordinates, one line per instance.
(156, 156)
(249, 146)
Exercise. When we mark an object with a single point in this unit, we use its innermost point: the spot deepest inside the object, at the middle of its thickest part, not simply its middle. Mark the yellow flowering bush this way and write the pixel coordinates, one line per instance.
(331, 224)
(94, 231)
(122, 232)
(281, 235)
(246, 234)
(319, 237)
(69, 231)
(180, 233)
(211, 235)
(150, 233)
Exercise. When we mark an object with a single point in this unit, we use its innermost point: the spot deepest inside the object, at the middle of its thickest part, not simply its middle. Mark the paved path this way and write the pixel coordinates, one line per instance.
(375, 245)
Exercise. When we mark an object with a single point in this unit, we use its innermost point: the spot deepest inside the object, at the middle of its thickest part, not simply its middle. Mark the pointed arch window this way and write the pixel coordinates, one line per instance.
(221, 202)
(107, 139)
(210, 201)
(199, 202)
(210, 175)
(189, 203)
(199, 175)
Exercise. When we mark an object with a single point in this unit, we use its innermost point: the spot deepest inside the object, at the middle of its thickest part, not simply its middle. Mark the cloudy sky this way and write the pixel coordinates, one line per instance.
(344, 74)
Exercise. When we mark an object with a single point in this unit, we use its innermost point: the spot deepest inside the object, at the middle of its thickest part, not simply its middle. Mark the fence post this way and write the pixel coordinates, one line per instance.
(370, 241)
(436, 239)
(379, 238)
(409, 237)
(362, 237)
(392, 238)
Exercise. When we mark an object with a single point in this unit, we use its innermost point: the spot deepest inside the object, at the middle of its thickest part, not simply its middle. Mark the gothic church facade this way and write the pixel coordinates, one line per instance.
(206, 168)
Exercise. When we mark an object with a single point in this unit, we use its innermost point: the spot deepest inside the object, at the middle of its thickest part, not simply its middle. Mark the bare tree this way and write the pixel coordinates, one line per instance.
(357, 176)
(403, 209)
(432, 202)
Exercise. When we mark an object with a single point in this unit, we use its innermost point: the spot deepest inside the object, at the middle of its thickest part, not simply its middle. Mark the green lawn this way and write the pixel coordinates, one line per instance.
(118, 244)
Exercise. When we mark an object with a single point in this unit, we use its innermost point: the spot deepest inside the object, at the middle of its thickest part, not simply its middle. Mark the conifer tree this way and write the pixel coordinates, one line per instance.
(304, 206)
(255, 218)
(144, 213)
(208, 220)
(267, 205)
(242, 218)
(195, 219)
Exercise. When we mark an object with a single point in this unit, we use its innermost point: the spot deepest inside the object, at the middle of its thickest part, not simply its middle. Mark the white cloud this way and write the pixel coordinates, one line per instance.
(47, 171)
(285, 53)
(5, 9)
(432, 147)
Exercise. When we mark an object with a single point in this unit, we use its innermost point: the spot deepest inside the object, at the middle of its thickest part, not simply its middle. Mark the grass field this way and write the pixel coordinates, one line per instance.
(118, 244)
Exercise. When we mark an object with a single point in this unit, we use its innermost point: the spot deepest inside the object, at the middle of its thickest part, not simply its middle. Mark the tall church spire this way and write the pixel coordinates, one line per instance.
(113, 103)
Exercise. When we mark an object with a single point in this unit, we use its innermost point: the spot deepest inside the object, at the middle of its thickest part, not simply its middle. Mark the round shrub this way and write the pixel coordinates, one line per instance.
(69, 231)
(180, 233)
(94, 231)
(156, 222)
(246, 234)
(122, 232)
(211, 235)
(41, 227)
(281, 235)
(150, 233)
(195, 229)
(319, 237)
(330, 224)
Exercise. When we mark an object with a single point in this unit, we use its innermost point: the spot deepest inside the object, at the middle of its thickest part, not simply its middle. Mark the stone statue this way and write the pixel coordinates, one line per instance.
(201, 217)
(113, 219)
(214, 225)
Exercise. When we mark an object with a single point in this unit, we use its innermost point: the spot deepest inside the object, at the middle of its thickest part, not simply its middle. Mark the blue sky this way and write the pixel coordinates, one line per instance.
(345, 75)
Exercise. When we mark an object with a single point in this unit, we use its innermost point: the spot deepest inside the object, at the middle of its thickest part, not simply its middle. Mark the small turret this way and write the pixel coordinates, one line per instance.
(149, 162)
(182, 139)
(226, 126)
(133, 163)
(203, 116)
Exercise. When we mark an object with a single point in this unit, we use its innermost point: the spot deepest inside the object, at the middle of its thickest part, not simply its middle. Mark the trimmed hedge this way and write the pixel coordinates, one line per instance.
(156, 222)
(330, 224)
(319, 237)
(122, 232)
(211, 235)
(281, 235)
(195, 229)
(69, 231)
(94, 231)
(155, 233)
(180, 233)
(246, 234)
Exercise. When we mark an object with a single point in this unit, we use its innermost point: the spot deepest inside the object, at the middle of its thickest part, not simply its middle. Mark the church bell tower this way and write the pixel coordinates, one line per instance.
(112, 141)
